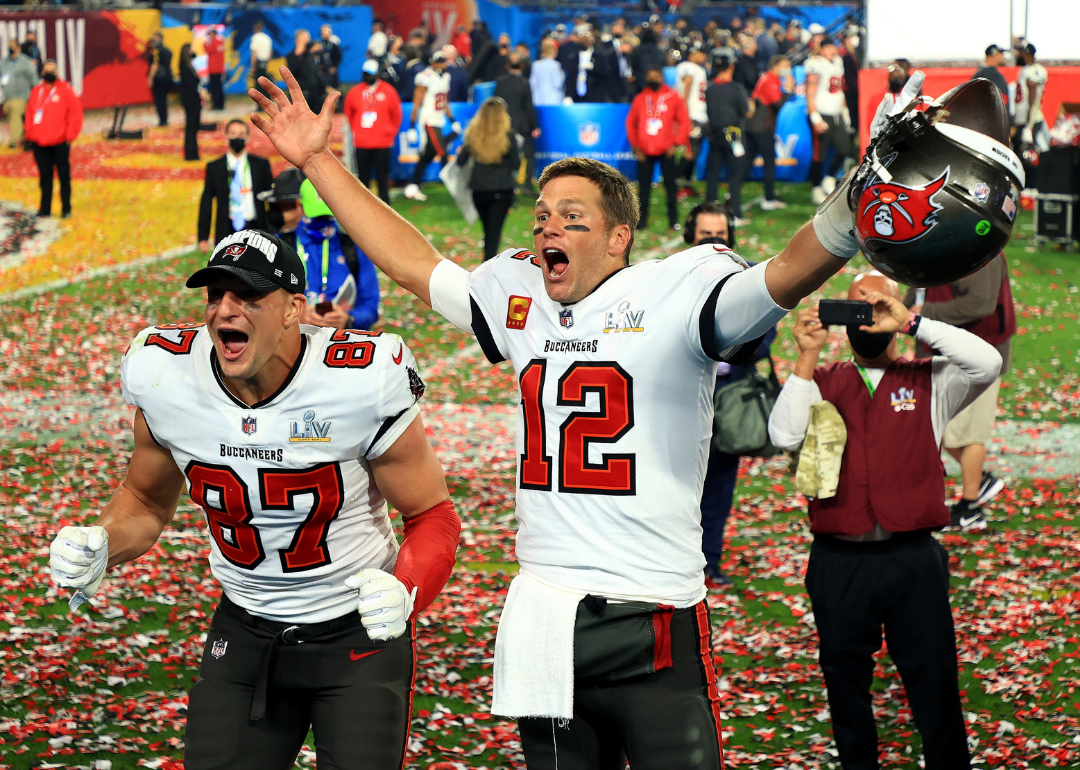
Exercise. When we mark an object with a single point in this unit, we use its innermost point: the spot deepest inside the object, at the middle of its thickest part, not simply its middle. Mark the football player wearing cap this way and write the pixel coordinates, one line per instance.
(430, 112)
(292, 439)
(606, 626)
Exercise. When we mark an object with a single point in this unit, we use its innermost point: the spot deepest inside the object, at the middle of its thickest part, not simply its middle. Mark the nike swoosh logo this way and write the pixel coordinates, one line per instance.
(400, 353)
(354, 656)
(965, 521)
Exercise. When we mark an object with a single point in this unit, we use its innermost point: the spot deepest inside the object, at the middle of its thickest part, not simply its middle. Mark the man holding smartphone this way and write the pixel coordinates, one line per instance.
(874, 563)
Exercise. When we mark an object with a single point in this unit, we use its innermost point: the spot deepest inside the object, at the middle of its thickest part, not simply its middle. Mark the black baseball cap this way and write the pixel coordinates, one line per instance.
(262, 261)
(993, 49)
(286, 186)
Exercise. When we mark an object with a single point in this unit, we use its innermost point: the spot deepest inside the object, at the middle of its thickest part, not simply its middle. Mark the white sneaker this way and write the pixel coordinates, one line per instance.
(412, 192)
(817, 195)
(772, 205)
(828, 184)
(740, 221)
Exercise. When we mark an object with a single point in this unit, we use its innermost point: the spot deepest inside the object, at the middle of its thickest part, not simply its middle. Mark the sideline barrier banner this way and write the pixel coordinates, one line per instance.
(599, 131)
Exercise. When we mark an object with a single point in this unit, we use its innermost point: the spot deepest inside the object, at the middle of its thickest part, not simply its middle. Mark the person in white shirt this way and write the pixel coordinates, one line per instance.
(826, 109)
(262, 51)
(377, 43)
(1028, 119)
(691, 81)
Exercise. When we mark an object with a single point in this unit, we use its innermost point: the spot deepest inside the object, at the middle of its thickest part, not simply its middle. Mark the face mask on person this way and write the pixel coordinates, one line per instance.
(48, 77)
(716, 240)
(653, 84)
(896, 84)
(370, 79)
(868, 345)
(237, 144)
(13, 50)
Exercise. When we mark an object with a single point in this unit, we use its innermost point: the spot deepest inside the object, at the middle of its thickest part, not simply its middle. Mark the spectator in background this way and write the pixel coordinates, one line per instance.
(159, 76)
(848, 45)
(330, 57)
(1027, 111)
(514, 90)
(489, 60)
(234, 182)
(477, 36)
(772, 90)
(656, 126)
(995, 57)
(982, 304)
(342, 285)
(373, 110)
(547, 81)
(569, 60)
(31, 50)
(692, 80)
(826, 109)
(191, 101)
(53, 120)
(746, 68)
(412, 65)
(463, 43)
(597, 74)
(304, 66)
(459, 75)
(262, 51)
(646, 56)
(215, 68)
(378, 42)
(728, 106)
(525, 55)
(283, 198)
(430, 114)
(19, 75)
(767, 47)
(490, 142)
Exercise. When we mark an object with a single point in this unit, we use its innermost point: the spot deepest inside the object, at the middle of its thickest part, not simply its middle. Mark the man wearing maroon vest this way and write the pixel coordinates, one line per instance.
(982, 303)
(874, 563)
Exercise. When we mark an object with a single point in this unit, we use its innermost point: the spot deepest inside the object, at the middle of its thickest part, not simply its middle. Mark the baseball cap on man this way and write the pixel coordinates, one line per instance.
(991, 50)
(371, 67)
(262, 261)
(286, 187)
(314, 206)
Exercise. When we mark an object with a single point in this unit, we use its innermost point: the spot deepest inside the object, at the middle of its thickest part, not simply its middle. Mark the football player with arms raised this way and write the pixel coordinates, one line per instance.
(292, 439)
(603, 650)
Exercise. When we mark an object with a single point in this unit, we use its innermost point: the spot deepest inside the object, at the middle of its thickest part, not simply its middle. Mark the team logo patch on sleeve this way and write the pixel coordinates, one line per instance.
(517, 311)
(416, 385)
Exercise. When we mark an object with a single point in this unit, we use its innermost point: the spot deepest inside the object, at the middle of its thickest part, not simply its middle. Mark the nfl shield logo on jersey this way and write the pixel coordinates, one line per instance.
(589, 134)
(219, 648)
(248, 424)
(566, 318)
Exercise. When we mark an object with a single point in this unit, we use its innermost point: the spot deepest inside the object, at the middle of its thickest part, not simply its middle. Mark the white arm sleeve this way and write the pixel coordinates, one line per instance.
(791, 414)
(745, 309)
(966, 367)
(449, 289)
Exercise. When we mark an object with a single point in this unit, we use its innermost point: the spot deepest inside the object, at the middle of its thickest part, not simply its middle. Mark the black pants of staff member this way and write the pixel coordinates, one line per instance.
(217, 91)
(720, 155)
(661, 721)
(764, 144)
(435, 145)
(901, 586)
(259, 71)
(47, 158)
(667, 172)
(192, 122)
(717, 494)
(160, 89)
(377, 160)
(492, 206)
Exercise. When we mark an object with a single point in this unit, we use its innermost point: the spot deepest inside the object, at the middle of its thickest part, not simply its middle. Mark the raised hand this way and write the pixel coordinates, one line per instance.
(810, 335)
(890, 314)
(297, 132)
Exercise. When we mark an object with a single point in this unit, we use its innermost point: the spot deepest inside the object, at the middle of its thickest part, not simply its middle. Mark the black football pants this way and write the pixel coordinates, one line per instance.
(662, 721)
(47, 158)
(355, 694)
(859, 589)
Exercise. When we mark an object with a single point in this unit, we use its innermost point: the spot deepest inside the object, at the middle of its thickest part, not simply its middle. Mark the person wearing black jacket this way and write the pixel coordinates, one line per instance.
(235, 181)
(746, 68)
(491, 143)
(514, 89)
(330, 57)
(645, 57)
(191, 100)
(304, 66)
(728, 105)
(159, 76)
(30, 49)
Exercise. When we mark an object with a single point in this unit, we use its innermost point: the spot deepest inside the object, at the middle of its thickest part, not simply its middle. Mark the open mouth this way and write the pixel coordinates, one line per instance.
(233, 343)
(556, 262)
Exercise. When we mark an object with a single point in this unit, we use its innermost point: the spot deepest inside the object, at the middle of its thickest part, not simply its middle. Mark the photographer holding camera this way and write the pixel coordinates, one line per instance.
(874, 563)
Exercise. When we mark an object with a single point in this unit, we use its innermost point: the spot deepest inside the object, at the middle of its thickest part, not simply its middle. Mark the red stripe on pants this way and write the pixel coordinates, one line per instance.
(435, 137)
(701, 620)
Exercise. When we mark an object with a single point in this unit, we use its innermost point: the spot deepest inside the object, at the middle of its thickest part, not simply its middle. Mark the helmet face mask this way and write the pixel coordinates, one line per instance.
(936, 195)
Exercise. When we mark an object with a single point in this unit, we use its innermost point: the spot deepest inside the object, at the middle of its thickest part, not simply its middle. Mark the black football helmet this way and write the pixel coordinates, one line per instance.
(935, 197)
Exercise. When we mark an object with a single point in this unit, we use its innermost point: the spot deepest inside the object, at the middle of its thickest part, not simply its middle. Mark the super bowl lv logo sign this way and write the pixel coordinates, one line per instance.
(897, 213)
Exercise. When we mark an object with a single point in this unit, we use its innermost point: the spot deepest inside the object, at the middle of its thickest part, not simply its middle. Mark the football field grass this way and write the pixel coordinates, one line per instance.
(110, 682)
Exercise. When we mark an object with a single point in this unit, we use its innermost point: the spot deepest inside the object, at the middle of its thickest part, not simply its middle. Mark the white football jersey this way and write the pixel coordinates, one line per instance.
(829, 99)
(1037, 74)
(615, 417)
(433, 108)
(695, 104)
(285, 484)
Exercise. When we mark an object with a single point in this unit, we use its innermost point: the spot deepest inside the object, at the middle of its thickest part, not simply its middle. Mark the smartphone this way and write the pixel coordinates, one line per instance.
(326, 306)
(845, 312)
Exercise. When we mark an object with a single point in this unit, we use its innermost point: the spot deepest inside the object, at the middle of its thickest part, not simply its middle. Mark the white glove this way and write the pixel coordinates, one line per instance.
(816, 119)
(1026, 136)
(412, 136)
(78, 557)
(456, 128)
(385, 604)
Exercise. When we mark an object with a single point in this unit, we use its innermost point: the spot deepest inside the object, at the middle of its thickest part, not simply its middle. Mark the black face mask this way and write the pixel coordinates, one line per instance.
(49, 77)
(896, 85)
(868, 345)
(237, 144)
(653, 85)
(716, 239)
(369, 78)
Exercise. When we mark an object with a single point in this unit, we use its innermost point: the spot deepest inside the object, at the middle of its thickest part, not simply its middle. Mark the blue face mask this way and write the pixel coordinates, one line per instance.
(319, 228)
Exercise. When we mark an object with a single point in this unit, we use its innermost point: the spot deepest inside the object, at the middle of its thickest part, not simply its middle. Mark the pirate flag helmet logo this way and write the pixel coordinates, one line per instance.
(898, 213)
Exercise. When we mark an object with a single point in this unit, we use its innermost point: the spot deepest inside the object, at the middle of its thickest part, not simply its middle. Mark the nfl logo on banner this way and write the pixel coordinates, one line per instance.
(589, 134)
(248, 424)
(566, 318)
(219, 648)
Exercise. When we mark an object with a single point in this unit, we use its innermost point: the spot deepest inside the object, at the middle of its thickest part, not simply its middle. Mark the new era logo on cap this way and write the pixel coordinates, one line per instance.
(262, 261)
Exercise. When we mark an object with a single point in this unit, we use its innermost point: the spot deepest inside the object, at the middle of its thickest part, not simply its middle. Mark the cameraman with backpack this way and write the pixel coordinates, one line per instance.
(710, 222)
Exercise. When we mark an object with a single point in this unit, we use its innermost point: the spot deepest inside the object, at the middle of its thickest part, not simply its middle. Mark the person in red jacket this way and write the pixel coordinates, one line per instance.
(215, 67)
(53, 120)
(373, 110)
(656, 124)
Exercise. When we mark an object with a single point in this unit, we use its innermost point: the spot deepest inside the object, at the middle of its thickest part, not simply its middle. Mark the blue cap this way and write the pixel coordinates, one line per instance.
(371, 67)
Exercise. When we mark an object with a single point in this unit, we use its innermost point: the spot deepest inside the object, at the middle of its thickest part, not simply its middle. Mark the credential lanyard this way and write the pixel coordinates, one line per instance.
(866, 379)
(325, 260)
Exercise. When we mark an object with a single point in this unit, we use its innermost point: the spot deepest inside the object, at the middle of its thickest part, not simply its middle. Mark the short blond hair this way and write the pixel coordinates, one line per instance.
(618, 198)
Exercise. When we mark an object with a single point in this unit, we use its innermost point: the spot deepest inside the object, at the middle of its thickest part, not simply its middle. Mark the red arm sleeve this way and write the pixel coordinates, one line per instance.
(632, 123)
(427, 554)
